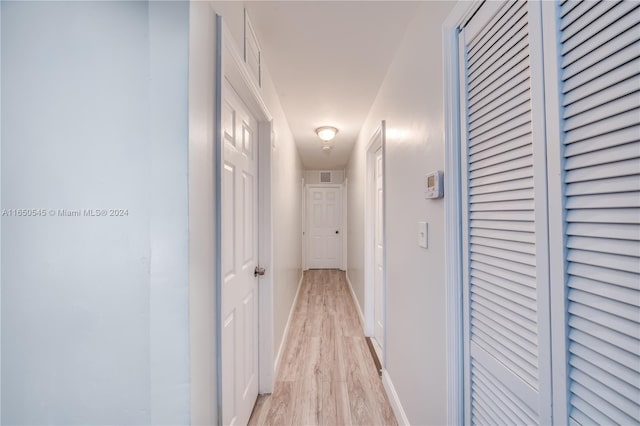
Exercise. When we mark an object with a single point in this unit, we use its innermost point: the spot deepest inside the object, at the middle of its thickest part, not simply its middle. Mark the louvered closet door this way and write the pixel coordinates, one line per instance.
(600, 121)
(506, 307)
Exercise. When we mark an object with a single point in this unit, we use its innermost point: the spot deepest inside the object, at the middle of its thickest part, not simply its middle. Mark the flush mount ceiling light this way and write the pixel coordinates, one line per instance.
(326, 133)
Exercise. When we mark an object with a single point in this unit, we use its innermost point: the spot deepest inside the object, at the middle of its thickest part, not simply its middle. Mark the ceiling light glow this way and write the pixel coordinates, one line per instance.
(326, 133)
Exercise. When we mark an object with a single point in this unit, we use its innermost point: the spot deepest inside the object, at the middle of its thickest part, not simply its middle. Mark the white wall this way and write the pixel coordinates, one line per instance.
(202, 213)
(410, 100)
(286, 177)
(94, 309)
(356, 186)
(168, 228)
(0, 216)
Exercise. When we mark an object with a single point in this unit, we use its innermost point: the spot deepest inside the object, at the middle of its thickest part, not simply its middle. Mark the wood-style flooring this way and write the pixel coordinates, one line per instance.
(327, 375)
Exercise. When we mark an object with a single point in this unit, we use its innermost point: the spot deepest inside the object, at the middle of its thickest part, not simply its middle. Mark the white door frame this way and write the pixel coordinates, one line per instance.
(303, 197)
(376, 142)
(230, 66)
(306, 220)
(345, 223)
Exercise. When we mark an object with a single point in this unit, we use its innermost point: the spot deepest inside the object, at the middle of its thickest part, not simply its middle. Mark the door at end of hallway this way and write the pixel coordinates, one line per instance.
(324, 227)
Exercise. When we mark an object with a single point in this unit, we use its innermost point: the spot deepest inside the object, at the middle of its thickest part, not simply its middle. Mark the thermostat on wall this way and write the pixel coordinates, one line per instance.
(434, 185)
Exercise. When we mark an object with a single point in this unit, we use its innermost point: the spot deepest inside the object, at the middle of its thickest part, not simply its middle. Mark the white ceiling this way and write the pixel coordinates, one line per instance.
(327, 60)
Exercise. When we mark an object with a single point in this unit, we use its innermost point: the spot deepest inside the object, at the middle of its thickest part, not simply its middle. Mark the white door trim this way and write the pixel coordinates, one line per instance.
(376, 142)
(461, 13)
(556, 204)
(303, 188)
(230, 66)
(345, 222)
(306, 198)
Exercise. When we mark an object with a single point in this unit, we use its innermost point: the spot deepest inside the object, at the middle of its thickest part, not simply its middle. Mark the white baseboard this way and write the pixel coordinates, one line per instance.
(276, 364)
(401, 416)
(355, 300)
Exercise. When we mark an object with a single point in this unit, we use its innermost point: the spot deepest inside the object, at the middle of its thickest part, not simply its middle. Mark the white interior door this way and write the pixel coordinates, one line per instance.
(505, 240)
(378, 252)
(239, 259)
(596, 186)
(324, 233)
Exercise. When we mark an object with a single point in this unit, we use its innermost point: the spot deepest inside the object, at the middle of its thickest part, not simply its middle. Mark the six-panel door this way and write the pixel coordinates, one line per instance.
(239, 259)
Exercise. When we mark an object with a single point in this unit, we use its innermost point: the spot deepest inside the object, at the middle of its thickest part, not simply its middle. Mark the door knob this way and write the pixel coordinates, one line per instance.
(258, 271)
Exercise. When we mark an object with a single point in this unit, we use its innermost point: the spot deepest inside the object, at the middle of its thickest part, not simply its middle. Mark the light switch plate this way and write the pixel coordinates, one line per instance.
(423, 235)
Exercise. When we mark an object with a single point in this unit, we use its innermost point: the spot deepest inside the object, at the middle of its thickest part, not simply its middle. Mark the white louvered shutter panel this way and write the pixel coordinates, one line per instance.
(600, 85)
(506, 305)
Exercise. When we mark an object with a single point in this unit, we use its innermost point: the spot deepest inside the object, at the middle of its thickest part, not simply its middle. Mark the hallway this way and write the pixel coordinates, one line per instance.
(326, 375)
(207, 205)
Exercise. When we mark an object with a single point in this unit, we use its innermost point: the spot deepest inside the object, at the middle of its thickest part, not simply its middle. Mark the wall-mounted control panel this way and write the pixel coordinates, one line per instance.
(434, 185)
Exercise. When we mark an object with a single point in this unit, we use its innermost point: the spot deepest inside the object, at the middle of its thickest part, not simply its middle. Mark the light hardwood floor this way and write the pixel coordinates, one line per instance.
(327, 375)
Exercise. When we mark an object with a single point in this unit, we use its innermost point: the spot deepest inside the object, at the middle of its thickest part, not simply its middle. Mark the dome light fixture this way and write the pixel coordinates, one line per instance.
(326, 133)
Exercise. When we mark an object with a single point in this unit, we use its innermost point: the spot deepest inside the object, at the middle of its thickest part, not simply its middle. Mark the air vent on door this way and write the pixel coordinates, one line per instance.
(325, 177)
